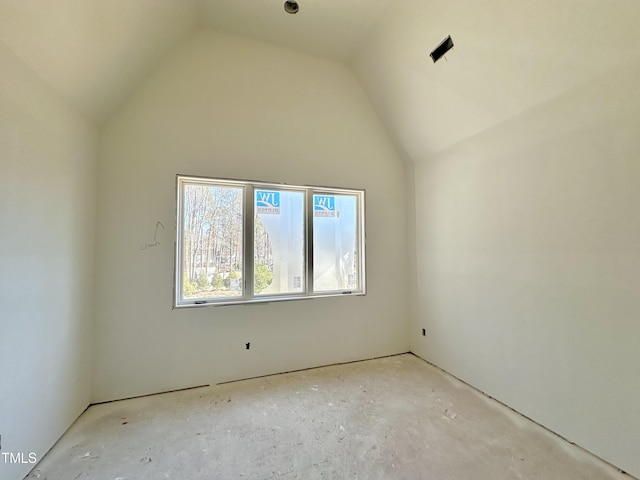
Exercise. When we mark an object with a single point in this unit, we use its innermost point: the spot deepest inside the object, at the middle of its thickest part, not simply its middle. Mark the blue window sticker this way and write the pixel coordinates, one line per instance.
(324, 206)
(267, 202)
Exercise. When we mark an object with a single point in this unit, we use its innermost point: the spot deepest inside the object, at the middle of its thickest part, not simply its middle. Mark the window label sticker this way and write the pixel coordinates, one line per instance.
(324, 206)
(267, 202)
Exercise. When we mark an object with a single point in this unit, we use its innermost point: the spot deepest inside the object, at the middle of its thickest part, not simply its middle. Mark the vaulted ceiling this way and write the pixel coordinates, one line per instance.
(509, 56)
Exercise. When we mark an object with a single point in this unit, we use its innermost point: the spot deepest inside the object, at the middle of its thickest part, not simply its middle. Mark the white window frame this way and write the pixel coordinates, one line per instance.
(248, 188)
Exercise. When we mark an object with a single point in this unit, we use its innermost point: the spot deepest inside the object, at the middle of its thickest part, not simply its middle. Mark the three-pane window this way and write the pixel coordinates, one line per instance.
(240, 242)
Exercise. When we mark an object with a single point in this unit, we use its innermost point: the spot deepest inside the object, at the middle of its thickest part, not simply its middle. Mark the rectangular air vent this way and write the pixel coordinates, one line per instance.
(440, 50)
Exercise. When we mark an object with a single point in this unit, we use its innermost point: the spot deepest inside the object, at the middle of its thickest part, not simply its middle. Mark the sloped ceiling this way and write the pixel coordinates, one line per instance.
(90, 51)
(508, 56)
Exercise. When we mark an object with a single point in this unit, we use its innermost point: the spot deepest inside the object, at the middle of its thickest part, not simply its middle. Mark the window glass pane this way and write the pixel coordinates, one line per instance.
(278, 242)
(212, 241)
(335, 243)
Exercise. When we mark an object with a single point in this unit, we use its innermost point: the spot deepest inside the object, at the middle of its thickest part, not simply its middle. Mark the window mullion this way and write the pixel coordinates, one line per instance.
(249, 232)
(308, 214)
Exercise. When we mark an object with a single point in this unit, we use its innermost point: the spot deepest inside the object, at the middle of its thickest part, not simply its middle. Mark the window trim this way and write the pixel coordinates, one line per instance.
(249, 187)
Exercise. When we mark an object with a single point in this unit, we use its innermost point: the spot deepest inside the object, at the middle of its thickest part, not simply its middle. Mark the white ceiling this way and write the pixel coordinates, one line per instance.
(331, 28)
(508, 57)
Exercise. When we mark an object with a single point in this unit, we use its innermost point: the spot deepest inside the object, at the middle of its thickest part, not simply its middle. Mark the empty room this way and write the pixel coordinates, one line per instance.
(319, 239)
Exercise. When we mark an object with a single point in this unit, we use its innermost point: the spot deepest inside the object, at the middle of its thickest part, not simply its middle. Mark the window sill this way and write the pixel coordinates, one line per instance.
(256, 301)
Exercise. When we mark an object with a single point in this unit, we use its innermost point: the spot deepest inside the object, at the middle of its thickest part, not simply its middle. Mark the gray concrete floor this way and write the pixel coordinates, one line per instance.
(390, 418)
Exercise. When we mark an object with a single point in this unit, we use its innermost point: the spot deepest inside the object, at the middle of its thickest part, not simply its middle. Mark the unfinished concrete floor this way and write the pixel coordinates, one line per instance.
(389, 418)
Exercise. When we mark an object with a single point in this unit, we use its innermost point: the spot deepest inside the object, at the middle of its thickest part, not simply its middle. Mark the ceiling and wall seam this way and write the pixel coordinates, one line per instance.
(621, 73)
(52, 90)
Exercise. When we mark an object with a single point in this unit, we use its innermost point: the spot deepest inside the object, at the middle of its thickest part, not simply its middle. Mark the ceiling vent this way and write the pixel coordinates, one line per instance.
(440, 50)
(291, 7)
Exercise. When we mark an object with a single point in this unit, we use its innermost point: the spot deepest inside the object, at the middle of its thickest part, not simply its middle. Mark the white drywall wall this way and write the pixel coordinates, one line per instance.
(47, 160)
(528, 247)
(224, 106)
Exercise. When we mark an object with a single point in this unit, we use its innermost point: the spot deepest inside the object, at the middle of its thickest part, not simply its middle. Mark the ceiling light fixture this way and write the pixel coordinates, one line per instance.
(291, 6)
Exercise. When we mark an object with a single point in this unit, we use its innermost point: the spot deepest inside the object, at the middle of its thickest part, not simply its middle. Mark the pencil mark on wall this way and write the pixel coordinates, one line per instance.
(155, 243)
(155, 234)
(149, 245)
